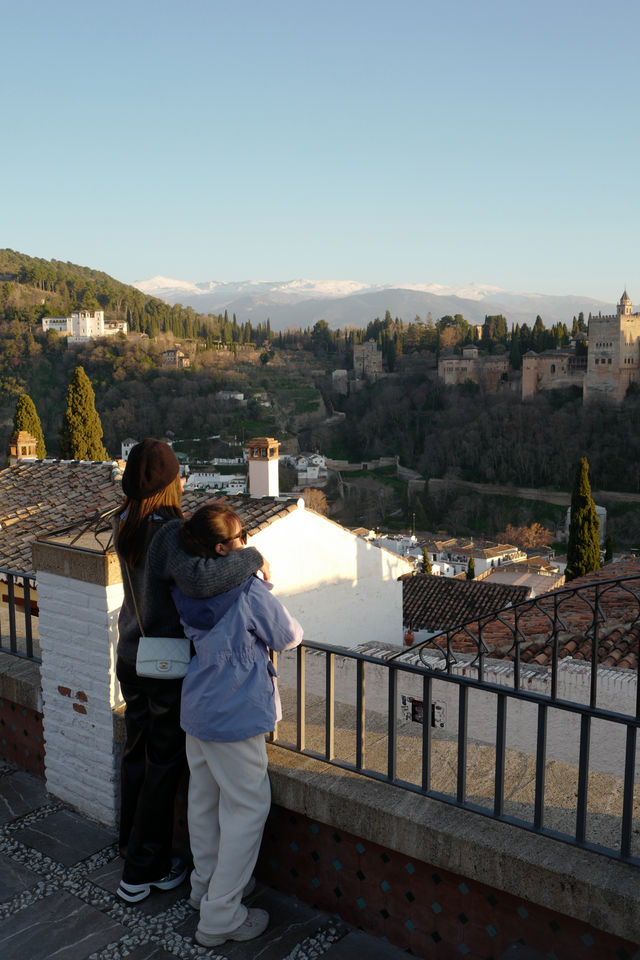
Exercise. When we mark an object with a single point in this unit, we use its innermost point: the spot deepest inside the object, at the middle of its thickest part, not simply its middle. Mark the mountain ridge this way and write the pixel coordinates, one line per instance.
(302, 302)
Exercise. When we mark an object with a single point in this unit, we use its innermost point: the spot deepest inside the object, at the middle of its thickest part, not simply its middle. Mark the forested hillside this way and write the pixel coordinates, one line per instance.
(135, 394)
(442, 432)
(32, 288)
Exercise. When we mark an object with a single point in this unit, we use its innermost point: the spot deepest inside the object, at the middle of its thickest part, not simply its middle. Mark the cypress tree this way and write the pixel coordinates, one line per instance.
(583, 550)
(515, 354)
(81, 427)
(426, 562)
(26, 418)
(471, 569)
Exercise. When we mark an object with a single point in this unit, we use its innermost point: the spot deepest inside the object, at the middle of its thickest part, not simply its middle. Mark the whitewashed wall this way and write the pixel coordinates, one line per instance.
(79, 630)
(342, 589)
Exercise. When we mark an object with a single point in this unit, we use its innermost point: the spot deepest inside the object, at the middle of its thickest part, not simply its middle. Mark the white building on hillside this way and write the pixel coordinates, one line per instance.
(84, 325)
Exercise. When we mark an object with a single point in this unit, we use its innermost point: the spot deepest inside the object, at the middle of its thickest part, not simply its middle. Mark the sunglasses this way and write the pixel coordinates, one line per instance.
(239, 536)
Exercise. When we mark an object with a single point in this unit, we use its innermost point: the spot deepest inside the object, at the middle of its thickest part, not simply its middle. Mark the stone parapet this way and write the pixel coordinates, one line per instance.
(77, 563)
(591, 888)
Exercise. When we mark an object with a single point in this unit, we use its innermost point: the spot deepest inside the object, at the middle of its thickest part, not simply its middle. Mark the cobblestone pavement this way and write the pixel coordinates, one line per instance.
(58, 875)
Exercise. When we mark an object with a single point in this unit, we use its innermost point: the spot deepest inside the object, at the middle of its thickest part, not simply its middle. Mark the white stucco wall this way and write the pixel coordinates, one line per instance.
(342, 589)
(78, 637)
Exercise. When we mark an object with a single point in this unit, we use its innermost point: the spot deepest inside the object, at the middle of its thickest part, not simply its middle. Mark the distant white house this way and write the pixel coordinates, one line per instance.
(228, 395)
(84, 325)
(175, 358)
(126, 447)
(222, 482)
(453, 555)
(404, 546)
(310, 467)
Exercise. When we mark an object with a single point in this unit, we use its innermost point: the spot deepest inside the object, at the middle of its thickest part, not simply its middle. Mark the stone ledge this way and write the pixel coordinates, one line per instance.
(587, 886)
(76, 563)
(20, 681)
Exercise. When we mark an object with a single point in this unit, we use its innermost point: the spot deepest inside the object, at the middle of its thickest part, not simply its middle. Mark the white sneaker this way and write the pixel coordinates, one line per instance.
(255, 924)
(135, 892)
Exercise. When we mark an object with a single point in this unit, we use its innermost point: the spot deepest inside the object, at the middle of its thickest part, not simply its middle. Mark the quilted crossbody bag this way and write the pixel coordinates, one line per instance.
(163, 658)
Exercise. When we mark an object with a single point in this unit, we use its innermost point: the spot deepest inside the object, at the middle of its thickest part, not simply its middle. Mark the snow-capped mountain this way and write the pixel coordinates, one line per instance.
(350, 303)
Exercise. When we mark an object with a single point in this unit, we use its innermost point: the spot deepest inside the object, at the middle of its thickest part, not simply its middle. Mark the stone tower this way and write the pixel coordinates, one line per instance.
(614, 353)
(263, 467)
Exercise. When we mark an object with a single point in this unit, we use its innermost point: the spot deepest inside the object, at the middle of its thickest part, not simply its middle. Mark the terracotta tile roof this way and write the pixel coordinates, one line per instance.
(41, 495)
(572, 607)
(478, 548)
(439, 603)
(521, 575)
(38, 496)
(256, 514)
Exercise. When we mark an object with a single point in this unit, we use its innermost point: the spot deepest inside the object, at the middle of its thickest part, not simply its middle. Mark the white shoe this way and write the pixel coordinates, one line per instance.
(255, 924)
(135, 892)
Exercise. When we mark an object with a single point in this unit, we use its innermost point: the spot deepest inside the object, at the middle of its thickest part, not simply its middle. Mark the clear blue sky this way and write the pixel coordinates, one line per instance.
(407, 140)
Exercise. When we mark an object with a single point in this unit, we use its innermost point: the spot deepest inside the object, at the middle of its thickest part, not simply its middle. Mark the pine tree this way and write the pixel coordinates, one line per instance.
(26, 418)
(471, 569)
(81, 427)
(583, 550)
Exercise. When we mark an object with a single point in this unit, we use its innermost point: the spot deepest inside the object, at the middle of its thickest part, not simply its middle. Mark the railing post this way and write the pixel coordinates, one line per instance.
(583, 779)
(360, 716)
(426, 732)
(301, 698)
(541, 760)
(392, 724)
(12, 612)
(330, 706)
(501, 740)
(461, 791)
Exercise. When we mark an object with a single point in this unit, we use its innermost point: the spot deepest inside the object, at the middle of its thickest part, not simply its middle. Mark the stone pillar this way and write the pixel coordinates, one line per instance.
(80, 595)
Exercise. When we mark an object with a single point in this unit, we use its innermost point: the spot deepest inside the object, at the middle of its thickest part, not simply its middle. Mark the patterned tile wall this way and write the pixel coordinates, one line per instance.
(426, 911)
(21, 739)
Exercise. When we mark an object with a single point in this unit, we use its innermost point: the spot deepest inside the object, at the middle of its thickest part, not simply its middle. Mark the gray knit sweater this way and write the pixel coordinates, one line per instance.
(163, 564)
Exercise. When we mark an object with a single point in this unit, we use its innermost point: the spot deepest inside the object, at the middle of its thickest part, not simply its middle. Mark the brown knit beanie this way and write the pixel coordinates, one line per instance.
(151, 466)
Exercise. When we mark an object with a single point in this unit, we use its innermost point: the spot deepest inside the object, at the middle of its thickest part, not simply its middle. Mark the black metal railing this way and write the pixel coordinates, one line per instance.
(457, 658)
(19, 633)
(18, 615)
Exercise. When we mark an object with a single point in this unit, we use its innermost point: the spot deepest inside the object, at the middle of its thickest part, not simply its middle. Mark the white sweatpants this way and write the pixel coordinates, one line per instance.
(229, 800)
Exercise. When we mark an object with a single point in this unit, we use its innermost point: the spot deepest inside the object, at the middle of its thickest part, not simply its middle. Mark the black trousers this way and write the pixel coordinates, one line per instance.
(152, 764)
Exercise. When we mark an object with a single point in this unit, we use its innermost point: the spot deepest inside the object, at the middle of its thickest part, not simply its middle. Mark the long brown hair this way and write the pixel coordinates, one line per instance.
(131, 537)
(210, 525)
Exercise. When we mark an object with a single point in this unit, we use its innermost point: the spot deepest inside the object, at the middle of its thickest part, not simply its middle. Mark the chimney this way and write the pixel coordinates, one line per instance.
(263, 467)
(22, 446)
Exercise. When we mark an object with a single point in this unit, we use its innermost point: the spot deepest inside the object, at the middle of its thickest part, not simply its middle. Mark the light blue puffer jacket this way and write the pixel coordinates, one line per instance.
(230, 691)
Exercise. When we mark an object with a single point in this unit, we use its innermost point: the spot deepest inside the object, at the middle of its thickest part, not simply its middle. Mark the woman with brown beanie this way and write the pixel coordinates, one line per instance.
(154, 757)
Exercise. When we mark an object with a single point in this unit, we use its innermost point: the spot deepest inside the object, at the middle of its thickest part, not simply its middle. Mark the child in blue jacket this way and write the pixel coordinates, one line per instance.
(229, 701)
